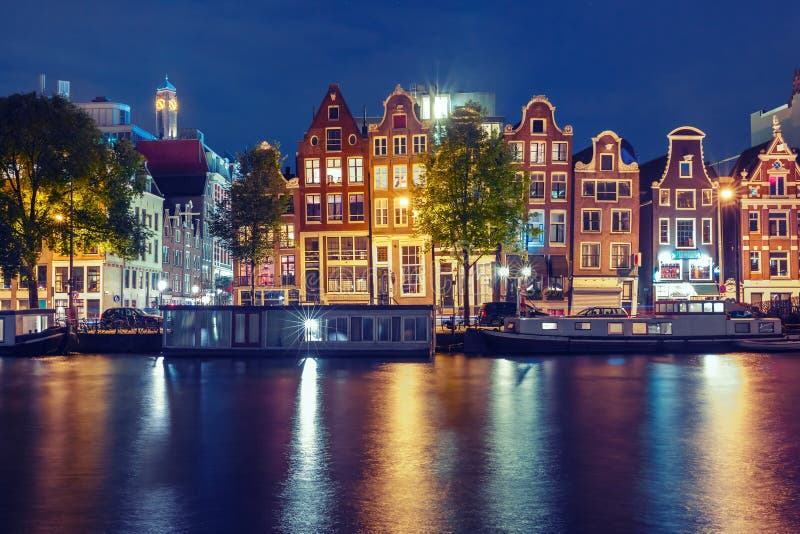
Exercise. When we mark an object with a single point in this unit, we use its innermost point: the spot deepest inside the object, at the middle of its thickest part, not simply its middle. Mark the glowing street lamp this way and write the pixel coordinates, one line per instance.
(195, 289)
(523, 273)
(162, 285)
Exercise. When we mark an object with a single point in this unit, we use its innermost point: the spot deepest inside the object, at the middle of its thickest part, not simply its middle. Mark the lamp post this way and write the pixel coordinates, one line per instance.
(523, 273)
(727, 194)
(162, 285)
(195, 289)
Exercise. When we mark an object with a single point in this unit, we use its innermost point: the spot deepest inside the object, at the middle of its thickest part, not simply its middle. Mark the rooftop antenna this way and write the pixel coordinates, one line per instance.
(364, 130)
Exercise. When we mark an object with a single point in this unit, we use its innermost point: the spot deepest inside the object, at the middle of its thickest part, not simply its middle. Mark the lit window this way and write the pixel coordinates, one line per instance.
(333, 170)
(411, 265)
(537, 185)
(400, 175)
(684, 199)
(669, 270)
(381, 211)
(355, 170)
(401, 212)
(558, 186)
(381, 177)
(537, 152)
(707, 197)
(663, 226)
(516, 148)
(419, 174)
(663, 197)
(776, 185)
(559, 151)
(620, 255)
(685, 233)
(312, 171)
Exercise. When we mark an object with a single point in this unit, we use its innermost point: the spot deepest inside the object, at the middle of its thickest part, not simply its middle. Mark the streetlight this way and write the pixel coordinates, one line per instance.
(523, 273)
(728, 195)
(195, 289)
(162, 285)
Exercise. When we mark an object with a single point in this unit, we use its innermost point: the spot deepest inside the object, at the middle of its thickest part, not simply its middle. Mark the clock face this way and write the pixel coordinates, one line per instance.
(173, 105)
(159, 104)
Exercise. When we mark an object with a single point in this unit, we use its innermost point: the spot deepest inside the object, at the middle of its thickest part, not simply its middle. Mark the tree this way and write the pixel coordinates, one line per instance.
(470, 200)
(249, 223)
(54, 161)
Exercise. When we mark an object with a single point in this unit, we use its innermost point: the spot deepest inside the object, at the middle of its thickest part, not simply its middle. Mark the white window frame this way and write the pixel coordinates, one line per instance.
(400, 176)
(540, 153)
(400, 213)
(757, 254)
(559, 155)
(562, 179)
(693, 193)
(332, 216)
(703, 222)
(562, 214)
(606, 158)
(663, 223)
(406, 270)
(710, 193)
(355, 170)
(626, 256)
(380, 146)
(586, 253)
(318, 203)
(333, 171)
(381, 177)
(420, 144)
(693, 244)
(613, 221)
(664, 196)
(685, 165)
(313, 171)
(543, 181)
(584, 213)
(400, 145)
(418, 171)
(381, 212)
(517, 151)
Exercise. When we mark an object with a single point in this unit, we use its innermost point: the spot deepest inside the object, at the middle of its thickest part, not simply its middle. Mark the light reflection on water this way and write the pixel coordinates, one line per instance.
(137, 444)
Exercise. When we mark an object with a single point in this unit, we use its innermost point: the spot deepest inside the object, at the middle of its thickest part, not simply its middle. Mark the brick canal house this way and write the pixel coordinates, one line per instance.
(543, 154)
(333, 219)
(766, 179)
(398, 144)
(181, 257)
(680, 215)
(606, 225)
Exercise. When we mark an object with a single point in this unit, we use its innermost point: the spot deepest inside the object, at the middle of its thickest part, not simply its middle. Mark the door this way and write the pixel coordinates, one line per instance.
(446, 289)
(383, 285)
(312, 285)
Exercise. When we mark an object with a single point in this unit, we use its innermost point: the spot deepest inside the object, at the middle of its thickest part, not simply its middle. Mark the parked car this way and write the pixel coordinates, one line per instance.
(602, 311)
(493, 313)
(151, 311)
(114, 318)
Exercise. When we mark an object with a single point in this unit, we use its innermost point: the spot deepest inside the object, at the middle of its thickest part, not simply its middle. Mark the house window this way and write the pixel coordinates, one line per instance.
(607, 190)
(669, 270)
(333, 139)
(779, 264)
(707, 236)
(591, 220)
(347, 279)
(399, 121)
(335, 207)
(663, 231)
(312, 171)
(621, 221)
(699, 270)
(537, 185)
(333, 113)
(755, 261)
(412, 270)
(776, 185)
(419, 174)
(287, 270)
(559, 151)
(537, 126)
(590, 255)
(400, 145)
(313, 208)
(558, 184)
(333, 170)
(93, 279)
(589, 188)
(356, 207)
(684, 199)
(381, 211)
(516, 150)
(778, 224)
(355, 170)
(537, 152)
(707, 197)
(753, 219)
(400, 212)
(558, 223)
(663, 197)
(165, 254)
(535, 235)
(606, 162)
(420, 144)
(287, 235)
(381, 177)
(685, 233)
(685, 169)
(624, 188)
(379, 146)
(620, 255)
(400, 176)
(382, 254)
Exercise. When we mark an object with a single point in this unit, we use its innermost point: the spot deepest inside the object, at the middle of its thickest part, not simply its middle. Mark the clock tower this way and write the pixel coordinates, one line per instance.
(166, 111)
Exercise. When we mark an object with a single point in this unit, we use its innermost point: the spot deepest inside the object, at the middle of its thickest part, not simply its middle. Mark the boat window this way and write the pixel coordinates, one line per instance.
(659, 328)
(367, 329)
(614, 328)
(384, 328)
(742, 328)
(355, 329)
(766, 328)
(549, 326)
(409, 329)
(708, 307)
(395, 328)
(639, 328)
(583, 326)
(337, 329)
(695, 307)
(682, 307)
(422, 329)
(719, 307)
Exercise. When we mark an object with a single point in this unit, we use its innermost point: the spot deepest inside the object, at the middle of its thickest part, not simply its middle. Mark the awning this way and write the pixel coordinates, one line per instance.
(706, 290)
(558, 266)
(538, 265)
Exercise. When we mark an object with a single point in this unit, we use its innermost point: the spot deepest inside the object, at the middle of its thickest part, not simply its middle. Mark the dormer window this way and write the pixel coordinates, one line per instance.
(399, 121)
(537, 126)
(685, 169)
(606, 162)
(333, 113)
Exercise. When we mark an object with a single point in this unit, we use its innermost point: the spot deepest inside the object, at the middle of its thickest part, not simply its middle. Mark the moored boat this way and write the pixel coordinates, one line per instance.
(677, 326)
(783, 344)
(33, 333)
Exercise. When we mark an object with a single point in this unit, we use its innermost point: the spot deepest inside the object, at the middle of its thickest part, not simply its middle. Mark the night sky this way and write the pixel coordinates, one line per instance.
(248, 71)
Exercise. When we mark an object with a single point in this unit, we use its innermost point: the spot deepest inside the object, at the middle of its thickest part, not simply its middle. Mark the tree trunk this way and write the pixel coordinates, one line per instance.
(465, 254)
(253, 281)
(33, 287)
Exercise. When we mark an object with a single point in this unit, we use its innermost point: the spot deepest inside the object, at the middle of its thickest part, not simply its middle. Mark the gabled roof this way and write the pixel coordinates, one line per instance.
(748, 160)
(174, 157)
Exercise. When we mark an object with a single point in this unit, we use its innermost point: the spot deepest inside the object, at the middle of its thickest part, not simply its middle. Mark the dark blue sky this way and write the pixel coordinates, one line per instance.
(247, 71)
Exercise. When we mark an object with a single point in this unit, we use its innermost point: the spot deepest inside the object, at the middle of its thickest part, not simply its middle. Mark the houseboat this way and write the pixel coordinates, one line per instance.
(348, 330)
(32, 333)
(677, 326)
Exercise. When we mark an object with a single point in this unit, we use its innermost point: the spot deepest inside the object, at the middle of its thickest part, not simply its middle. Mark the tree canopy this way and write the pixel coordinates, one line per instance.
(470, 201)
(249, 223)
(49, 148)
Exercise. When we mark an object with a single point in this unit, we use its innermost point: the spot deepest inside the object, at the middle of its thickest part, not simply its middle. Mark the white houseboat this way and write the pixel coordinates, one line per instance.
(304, 331)
(32, 333)
(677, 326)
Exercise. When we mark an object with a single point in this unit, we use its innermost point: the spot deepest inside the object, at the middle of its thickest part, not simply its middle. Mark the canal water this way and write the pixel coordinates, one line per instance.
(103, 443)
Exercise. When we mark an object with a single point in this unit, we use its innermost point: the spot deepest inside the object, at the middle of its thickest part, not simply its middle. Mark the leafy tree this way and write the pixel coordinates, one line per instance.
(53, 161)
(470, 200)
(248, 224)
